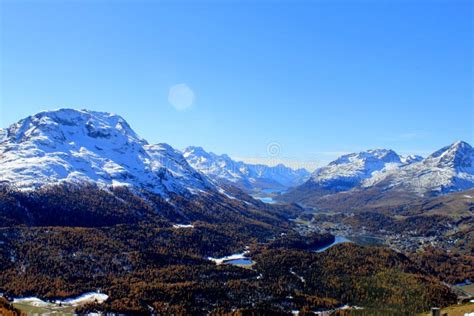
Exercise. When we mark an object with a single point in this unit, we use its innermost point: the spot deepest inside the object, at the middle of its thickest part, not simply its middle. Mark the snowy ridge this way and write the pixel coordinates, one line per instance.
(448, 169)
(246, 176)
(171, 161)
(350, 170)
(78, 146)
(81, 146)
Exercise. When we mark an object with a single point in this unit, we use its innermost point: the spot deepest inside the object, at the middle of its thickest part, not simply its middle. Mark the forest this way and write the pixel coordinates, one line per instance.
(145, 264)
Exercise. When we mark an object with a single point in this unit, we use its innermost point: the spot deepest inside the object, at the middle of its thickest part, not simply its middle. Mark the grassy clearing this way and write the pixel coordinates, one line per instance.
(455, 310)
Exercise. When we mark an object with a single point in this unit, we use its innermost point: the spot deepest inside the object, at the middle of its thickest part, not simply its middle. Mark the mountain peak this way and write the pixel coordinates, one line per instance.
(461, 146)
(457, 155)
(57, 126)
(80, 146)
(454, 147)
(368, 156)
(195, 150)
(448, 169)
(350, 170)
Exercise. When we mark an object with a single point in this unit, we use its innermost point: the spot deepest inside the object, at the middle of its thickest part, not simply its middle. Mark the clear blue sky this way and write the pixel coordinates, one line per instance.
(316, 77)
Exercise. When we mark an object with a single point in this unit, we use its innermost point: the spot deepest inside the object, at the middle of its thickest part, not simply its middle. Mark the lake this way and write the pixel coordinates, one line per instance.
(240, 262)
(267, 199)
(266, 195)
(238, 259)
(337, 240)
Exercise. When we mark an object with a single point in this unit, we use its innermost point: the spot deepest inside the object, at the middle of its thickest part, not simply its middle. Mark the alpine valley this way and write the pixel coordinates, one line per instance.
(248, 177)
(94, 219)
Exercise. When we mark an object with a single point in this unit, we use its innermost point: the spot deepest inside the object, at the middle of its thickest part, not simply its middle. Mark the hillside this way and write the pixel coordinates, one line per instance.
(141, 267)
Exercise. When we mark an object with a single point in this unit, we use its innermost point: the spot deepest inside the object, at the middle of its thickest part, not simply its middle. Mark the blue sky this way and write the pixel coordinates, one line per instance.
(317, 78)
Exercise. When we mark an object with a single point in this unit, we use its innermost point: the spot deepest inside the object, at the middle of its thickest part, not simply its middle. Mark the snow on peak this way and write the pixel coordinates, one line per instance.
(368, 157)
(458, 154)
(51, 126)
(246, 176)
(195, 151)
(350, 170)
(449, 169)
(406, 160)
(79, 146)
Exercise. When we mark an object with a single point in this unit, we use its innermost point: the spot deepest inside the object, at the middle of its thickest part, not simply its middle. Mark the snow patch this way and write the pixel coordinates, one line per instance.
(222, 191)
(90, 297)
(32, 301)
(236, 256)
(183, 226)
(298, 276)
(84, 299)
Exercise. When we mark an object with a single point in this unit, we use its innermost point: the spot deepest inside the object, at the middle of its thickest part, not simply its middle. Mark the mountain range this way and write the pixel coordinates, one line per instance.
(77, 146)
(385, 172)
(81, 167)
(144, 223)
(248, 177)
(81, 146)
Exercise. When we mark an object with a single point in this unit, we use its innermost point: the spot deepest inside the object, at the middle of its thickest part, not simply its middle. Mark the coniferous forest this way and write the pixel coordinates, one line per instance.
(146, 264)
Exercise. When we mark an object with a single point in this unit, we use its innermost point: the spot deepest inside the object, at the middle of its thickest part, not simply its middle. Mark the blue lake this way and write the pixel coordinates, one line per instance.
(266, 195)
(266, 199)
(243, 262)
(337, 240)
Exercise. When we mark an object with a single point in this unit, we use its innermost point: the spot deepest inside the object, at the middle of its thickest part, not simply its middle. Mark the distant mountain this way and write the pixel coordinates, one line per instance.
(249, 177)
(347, 172)
(446, 170)
(83, 146)
(379, 173)
(350, 170)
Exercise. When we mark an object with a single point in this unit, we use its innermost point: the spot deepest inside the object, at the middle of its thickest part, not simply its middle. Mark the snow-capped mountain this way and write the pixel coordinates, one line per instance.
(349, 171)
(383, 173)
(80, 146)
(250, 177)
(448, 169)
